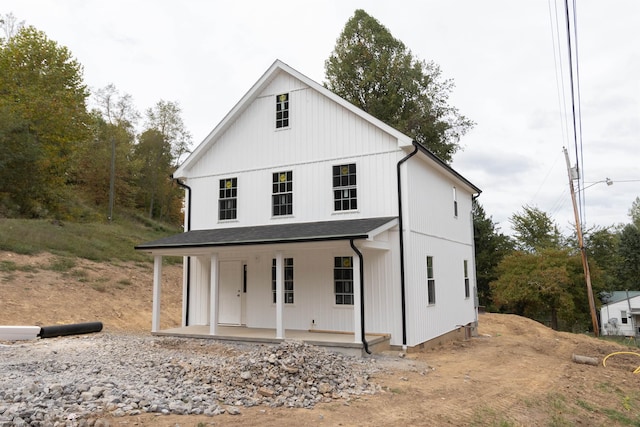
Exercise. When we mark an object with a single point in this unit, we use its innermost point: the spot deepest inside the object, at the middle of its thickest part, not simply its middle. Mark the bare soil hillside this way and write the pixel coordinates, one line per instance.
(517, 372)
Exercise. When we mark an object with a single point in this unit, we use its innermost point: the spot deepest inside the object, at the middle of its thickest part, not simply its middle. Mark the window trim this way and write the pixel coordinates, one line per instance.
(342, 280)
(467, 290)
(283, 115)
(431, 282)
(285, 198)
(350, 202)
(228, 185)
(624, 319)
(291, 281)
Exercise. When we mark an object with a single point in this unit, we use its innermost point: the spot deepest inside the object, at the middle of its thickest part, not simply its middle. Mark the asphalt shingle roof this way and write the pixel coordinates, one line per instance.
(268, 234)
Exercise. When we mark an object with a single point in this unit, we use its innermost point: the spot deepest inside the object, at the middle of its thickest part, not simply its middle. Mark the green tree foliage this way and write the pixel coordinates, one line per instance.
(491, 247)
(165, 118)
(376, 72)
(42, 91)
(602, 247)
(537, 285)
(629, 252)
(634, 212)
(535, 230)
(113, 131)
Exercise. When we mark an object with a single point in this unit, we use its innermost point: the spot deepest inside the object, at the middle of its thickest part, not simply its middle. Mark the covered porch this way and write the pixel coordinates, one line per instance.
(234, 269)
(334, 341)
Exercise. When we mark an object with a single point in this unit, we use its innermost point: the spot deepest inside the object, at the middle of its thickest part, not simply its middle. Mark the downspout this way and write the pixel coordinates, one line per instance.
(402, 280)
(188, 228)
(362, 328)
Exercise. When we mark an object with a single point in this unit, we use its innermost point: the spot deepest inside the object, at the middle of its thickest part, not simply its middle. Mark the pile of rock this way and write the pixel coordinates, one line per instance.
(74, 378)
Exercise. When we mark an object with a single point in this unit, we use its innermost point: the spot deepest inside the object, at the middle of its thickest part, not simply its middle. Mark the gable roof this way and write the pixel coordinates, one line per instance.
(277, 67)
(617, 296)
(272, 234)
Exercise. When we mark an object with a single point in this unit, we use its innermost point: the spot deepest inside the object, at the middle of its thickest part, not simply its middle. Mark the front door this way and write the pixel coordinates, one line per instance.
(230, 293)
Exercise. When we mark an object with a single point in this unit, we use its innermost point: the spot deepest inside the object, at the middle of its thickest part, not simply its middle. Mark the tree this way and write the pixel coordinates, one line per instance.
(377, 73)
(10, 25)
(535, 230)
(41, 88)
(491, 247)
(602, 246)
(537, 285)
(634, 212)
(629, 252)
(165, 118)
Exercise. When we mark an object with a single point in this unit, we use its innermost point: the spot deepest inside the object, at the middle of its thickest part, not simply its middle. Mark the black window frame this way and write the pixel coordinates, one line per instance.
(345, 190)
(288, 296)
(282, 111)
(282, 193)
(343, 285)
(228, 199)
(431, 282)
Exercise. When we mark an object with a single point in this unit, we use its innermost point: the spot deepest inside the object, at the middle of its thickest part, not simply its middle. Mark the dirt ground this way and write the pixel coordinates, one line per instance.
(517, 372)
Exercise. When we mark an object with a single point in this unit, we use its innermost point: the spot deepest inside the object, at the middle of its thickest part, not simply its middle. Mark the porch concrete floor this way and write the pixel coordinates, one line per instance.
(336, 341)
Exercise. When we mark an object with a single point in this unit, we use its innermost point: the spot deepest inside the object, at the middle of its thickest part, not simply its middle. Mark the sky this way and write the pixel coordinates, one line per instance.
(508, 60)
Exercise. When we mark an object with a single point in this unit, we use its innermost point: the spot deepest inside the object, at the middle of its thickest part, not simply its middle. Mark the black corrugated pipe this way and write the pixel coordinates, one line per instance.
(362, 328)
(402, 286)
(72, 329)
(186, 308)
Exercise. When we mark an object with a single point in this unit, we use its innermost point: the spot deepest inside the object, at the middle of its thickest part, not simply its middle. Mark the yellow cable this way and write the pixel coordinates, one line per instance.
(604, 361)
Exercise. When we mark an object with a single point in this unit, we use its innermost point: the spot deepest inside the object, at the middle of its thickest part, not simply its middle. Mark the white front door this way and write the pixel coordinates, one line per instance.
(230, 293)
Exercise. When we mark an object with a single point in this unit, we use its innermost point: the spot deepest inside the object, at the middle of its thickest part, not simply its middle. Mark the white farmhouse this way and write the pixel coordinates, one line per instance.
(620, 315)
(308, 218)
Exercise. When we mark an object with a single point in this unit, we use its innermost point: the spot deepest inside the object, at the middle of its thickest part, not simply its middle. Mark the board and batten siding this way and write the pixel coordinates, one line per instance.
(321, 134)
(434, 230)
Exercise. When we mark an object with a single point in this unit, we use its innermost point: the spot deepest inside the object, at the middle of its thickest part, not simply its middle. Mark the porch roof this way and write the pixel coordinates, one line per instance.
(271, 234)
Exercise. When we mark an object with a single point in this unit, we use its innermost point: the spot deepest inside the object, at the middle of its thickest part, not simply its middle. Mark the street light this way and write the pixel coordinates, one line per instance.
(608, 181)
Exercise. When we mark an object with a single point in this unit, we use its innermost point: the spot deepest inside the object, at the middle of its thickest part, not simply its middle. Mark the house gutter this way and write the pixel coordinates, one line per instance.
(362, 328)
(186, 306)
(400, 225)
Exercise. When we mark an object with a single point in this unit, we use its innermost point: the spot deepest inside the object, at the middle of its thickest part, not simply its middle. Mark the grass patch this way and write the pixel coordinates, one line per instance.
(96, 241)
(10, 266)
(489, 417)
(62, 265)
(100, 287)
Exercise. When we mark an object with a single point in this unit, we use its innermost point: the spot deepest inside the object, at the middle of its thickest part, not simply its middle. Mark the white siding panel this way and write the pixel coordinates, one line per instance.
(199, 292)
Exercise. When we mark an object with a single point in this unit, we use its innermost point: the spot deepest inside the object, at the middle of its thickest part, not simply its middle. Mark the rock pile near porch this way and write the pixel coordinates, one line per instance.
(78, 380)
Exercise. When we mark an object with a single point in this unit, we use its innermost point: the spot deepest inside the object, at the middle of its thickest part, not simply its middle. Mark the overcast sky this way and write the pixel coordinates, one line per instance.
(504, 57)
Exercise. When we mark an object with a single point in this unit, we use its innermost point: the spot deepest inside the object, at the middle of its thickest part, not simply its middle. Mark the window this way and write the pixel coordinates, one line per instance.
(431, 282)
(344, 187)
(282, 193)
(288, 280)
(466, 279)
(228, 199)
(282, 111)
(623, 317)
(455, 203)
(343, 280)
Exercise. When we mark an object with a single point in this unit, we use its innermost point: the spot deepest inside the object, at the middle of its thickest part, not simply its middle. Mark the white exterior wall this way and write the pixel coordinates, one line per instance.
(314, 301)
(433, 230)
(614, 311)
(321, 134)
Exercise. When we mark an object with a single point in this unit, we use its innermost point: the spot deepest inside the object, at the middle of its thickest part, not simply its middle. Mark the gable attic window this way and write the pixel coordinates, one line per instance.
(345, 195)
(282, 197)
(282, 111)
(228, 199)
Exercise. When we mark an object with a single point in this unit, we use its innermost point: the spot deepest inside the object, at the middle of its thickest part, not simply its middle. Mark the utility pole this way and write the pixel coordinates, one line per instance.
(583, 250)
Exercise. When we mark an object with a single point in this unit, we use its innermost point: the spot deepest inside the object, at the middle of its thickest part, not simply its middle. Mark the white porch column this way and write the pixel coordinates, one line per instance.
(214, 284)
(357, 300)
(157, 287)
(279, 295)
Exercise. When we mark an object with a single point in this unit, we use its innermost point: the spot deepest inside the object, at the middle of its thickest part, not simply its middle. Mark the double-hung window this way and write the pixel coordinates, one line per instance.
(228, 199)
(343, 280)
(345, 196)
(431, 282)
(466, 279)
(288, 280)
(282, 111)
(282, 184)
(455, 203)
